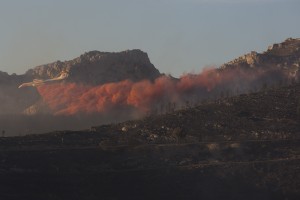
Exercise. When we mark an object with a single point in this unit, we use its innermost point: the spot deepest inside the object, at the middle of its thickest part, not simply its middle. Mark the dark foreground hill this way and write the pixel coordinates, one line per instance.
(244, 147)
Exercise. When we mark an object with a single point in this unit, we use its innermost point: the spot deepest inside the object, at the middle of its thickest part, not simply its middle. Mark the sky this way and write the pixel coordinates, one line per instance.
(180, 36)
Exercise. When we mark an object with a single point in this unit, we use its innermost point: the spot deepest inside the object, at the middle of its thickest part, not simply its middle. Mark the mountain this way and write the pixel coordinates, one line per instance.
(284, 56)
(91, 68)
(96, 68)
(277, 66)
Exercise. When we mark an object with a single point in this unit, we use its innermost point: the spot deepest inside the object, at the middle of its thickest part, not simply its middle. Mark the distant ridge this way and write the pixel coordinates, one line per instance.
(282, 56)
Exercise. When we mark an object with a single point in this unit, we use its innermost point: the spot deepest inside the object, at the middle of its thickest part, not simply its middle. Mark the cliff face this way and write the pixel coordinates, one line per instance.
(101, 67)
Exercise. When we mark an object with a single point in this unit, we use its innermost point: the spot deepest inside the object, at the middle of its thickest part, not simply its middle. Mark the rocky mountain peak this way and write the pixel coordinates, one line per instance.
(288, 47)
(97, 67)
(285, 55)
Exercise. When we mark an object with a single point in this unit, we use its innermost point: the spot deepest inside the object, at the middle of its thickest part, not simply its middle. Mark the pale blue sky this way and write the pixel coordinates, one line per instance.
(178, 35)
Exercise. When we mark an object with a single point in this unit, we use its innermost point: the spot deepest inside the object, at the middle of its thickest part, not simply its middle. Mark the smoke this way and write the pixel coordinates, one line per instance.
(76, 106)
(146, 96)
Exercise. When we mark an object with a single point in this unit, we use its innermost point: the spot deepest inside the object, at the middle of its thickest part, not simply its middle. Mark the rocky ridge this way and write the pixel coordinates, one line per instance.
(97, 67)
(283, 56)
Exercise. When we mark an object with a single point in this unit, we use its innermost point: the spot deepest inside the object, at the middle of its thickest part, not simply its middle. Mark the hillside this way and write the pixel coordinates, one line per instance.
(243, 147)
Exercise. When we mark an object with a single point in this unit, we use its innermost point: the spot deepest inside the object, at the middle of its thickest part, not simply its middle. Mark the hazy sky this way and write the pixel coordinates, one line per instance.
(178, 35)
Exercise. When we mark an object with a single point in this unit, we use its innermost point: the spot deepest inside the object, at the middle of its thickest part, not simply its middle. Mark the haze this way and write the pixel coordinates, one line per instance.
(179, 36)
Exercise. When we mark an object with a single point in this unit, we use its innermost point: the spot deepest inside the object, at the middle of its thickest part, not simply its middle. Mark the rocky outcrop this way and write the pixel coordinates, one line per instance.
(284, 56)
(101, 67)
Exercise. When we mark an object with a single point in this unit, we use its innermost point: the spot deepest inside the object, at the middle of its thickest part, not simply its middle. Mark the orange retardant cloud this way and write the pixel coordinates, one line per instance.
(73, 98)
